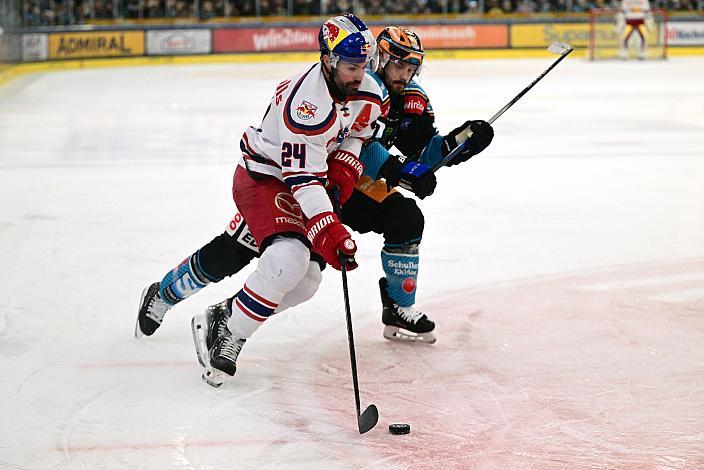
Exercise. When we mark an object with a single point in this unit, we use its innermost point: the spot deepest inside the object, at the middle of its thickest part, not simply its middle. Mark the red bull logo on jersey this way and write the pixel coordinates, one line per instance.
(306, 110)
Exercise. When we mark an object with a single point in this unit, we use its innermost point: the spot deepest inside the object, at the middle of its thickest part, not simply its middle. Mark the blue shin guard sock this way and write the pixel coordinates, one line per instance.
(401, 267)
(184, 280)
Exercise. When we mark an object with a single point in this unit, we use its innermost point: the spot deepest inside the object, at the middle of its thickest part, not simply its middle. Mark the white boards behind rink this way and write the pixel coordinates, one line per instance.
(179, 41)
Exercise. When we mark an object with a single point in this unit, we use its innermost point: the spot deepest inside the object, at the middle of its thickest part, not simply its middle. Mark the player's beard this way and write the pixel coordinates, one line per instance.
(348, 88)
(397, 86)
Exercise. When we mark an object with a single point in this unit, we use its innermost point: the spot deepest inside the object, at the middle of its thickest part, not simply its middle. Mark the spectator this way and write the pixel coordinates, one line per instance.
(279, 8)
(526, 6)
(246, 7)
(66, 12)
(376, 7)
(154, 9)
(306, 7)
(435, 6)
(472, 7)
(581, 6)
(207, 10)
(339, 7)
(492, 8)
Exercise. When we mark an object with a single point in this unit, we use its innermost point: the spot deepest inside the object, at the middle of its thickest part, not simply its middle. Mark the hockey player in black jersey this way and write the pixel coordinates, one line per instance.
(408, 124)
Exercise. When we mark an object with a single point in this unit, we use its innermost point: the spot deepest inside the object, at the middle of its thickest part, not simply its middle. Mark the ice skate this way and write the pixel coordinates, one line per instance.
(404, 323)
(152, 309)
(642, 53)
(216, 348)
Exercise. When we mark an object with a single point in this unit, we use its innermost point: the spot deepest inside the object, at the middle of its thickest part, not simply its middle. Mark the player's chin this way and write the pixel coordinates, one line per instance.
(397, 87)
(352, 88)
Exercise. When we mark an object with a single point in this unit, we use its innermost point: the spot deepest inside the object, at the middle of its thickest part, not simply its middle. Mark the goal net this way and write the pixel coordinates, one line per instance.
(608, 31)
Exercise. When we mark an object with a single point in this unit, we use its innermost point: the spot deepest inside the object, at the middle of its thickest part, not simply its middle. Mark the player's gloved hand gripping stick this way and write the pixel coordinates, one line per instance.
(556, 48)
(368, 419)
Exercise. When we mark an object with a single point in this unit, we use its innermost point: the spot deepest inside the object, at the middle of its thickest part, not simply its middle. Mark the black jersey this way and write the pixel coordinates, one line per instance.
(407, 121)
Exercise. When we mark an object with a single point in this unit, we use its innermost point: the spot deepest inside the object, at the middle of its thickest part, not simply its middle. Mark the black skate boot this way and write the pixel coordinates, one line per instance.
(152, 309)
(217, 349)
(404, 323)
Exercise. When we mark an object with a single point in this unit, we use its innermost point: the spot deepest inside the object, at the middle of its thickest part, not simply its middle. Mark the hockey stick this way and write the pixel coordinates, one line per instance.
(556, 48)
(368, 419)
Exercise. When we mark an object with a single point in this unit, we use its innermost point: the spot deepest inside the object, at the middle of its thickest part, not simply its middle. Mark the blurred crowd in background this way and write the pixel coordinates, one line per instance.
(68, 12)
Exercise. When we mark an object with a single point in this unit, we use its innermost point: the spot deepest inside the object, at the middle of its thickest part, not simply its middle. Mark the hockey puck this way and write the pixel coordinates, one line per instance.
(399, 428)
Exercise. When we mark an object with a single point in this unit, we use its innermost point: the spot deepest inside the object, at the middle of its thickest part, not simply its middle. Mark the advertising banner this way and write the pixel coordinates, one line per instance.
(280, 39)
(265, 39)
(541, 35)
(34, 47)
(178, 41)
(96, 44)
(460, 36)
(576, 34)
(685, 33)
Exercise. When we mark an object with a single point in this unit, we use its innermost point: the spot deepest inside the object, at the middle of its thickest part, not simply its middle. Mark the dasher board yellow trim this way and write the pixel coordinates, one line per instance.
(8, 72)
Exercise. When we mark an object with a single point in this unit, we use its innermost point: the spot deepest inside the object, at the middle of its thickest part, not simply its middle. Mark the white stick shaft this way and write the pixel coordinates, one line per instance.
(496, 116)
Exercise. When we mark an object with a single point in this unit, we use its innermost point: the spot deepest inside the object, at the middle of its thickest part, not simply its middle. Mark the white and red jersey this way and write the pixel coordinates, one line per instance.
(635, 9)
(301, 127)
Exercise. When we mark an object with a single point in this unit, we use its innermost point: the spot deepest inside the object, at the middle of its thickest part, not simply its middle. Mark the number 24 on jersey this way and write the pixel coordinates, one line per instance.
(291, 152)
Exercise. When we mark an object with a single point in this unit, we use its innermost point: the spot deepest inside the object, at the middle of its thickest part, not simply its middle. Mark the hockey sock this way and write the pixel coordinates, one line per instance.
(184, 280)
(249, 311)
(400, 264)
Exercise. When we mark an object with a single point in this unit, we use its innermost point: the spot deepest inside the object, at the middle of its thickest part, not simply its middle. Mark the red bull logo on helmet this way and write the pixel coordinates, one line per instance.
(330, 32)
(333, 35)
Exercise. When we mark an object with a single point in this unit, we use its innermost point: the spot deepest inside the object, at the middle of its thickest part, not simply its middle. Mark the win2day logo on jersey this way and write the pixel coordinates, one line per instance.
(306, 110)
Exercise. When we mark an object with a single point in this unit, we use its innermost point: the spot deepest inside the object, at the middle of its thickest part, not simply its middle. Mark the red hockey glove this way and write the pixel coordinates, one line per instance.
(329, 237)
(344, 169)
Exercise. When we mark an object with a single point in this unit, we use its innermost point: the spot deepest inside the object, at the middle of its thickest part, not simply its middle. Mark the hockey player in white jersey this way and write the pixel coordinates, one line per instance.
(632, 21)
(407, 123)
(309, 140)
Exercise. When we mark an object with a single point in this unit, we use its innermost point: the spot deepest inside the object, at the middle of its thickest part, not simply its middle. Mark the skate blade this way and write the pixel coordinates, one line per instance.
(213, 377)
(198, 332)
(394, 333)
(137, 330)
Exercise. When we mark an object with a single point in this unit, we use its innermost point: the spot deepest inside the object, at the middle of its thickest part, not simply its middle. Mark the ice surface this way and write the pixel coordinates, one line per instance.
(564, 267)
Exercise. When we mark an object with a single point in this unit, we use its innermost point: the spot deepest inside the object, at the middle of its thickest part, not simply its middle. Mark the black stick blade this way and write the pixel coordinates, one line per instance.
(368, 419)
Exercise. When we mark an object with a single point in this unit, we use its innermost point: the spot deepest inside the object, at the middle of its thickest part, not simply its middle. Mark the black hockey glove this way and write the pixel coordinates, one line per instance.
(479, 133)
(414, 176)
